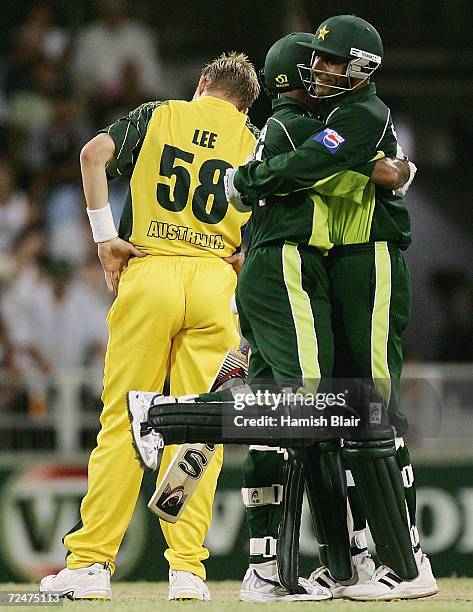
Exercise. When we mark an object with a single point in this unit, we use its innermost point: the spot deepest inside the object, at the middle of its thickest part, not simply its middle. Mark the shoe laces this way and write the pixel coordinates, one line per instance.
(310, 587)
(379, 572)
(158, 441)
(320, 572)
(174, 575)
(303, 582)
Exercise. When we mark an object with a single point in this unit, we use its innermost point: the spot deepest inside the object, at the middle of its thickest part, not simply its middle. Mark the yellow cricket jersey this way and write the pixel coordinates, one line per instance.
(175, 154)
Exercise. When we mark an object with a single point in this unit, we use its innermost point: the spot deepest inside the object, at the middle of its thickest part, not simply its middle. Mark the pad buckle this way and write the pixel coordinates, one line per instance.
(262, 496)
(266, 547)
(269, 546)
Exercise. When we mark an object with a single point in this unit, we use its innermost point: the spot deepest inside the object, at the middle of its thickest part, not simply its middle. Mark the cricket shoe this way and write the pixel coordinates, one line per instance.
(256, 587)
(385, 585)
(185, 585)
(85, 583)
(362, 572)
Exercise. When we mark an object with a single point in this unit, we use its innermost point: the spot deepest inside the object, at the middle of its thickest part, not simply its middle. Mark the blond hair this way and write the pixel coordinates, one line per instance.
(235, 75)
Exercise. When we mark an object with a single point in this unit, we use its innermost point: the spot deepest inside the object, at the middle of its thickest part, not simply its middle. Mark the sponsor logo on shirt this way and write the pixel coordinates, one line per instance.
(330, 139)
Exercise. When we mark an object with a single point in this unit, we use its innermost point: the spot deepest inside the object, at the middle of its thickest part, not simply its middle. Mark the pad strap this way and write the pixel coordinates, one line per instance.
(263, 448)
(262, 496)
(266, 547)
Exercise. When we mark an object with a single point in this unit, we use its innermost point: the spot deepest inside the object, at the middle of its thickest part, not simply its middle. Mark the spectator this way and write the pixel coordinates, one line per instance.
(14, 209)
(43, 33)
(64, 320)
(67, 224)
(91, 274)
(31, 109)
(55, 147)
(12, 395)
(24, 272)
(59, 330)
(108, 50)
(19, 69)
(26, 280)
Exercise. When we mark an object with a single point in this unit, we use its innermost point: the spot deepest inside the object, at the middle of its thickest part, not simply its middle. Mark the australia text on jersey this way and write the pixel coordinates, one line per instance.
(159, 229)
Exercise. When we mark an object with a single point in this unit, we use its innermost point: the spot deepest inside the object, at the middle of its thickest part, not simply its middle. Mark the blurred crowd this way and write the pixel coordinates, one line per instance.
(58, 85)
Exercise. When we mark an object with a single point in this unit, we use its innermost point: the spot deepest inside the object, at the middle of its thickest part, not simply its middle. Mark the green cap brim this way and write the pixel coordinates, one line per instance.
(326, 50)
(310, 45)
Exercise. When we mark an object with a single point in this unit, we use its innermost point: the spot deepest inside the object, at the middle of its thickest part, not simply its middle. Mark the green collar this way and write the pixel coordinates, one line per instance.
(285, 101)
(348, 98)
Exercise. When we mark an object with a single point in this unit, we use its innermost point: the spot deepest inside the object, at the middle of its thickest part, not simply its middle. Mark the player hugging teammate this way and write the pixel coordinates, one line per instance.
(291, 300)
(324, 294)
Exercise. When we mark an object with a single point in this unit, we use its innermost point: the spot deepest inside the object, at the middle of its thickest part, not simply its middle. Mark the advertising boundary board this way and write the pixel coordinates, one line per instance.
(40, 502)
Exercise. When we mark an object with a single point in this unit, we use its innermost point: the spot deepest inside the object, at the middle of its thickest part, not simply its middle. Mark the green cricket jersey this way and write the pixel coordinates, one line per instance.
(356, 126)
(301, 217)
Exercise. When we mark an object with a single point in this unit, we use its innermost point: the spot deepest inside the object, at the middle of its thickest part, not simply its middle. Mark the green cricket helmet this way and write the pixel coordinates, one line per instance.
(280, 71)
(351, 39)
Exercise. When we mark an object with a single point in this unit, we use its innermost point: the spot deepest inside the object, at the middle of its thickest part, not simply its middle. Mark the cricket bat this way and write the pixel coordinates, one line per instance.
(190, 462)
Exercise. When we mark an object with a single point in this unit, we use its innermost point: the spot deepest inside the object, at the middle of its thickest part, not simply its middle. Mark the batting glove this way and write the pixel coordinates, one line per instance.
(400, 152)
(403, 190)
(236, 199)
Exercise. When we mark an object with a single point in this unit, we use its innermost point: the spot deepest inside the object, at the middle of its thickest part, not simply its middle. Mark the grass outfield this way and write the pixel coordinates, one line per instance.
(455, 594)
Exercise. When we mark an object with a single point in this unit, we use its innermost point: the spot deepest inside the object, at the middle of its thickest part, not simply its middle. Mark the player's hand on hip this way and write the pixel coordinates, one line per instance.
(236, 260)
(114, 255)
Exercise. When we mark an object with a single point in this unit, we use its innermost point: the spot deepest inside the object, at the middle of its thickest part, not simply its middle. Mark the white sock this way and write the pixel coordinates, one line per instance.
(358, 540)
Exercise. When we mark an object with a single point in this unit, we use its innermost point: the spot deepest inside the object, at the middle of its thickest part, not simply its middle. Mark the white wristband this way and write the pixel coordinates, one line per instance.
(102, 224)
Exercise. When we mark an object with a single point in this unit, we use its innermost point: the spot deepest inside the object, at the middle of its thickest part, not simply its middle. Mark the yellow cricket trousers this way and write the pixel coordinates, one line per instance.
(171, 311)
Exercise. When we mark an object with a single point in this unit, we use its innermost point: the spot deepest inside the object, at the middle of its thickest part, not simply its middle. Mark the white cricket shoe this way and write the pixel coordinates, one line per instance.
(185, 585)
(385, 585)
(85, 583)
(362, 572)
(147, 442)
(256, 587)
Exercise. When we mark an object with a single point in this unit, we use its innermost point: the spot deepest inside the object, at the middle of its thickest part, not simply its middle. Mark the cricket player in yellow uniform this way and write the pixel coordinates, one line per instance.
(168, 265)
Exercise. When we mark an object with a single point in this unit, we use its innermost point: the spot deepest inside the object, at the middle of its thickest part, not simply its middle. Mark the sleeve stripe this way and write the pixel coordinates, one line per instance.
(385, 128)
(285, 131)
(124, 140)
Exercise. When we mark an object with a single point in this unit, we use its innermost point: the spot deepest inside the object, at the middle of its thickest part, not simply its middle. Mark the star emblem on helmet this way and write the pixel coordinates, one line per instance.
(323, 32)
